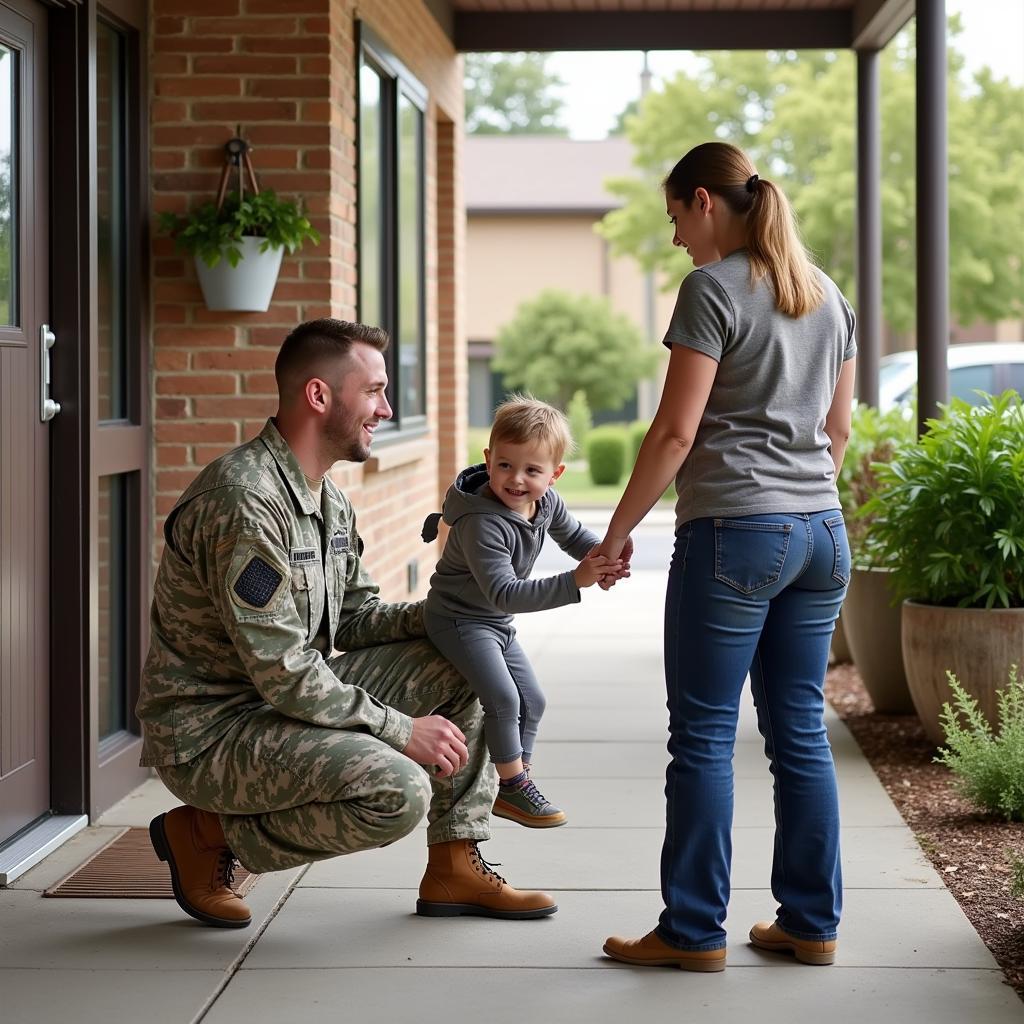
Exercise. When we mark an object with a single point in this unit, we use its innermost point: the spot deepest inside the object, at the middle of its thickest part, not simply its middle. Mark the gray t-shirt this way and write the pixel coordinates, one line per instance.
(761, 446)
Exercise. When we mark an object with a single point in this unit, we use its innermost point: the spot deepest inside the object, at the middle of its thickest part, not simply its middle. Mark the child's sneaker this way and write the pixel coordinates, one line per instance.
(527, 806)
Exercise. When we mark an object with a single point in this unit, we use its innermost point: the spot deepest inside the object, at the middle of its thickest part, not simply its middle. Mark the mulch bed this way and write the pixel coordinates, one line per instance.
(967, 847)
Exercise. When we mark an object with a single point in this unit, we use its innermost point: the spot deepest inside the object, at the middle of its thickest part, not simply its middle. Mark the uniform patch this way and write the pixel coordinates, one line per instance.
(339, 542)
(300, 556)
(257, 582)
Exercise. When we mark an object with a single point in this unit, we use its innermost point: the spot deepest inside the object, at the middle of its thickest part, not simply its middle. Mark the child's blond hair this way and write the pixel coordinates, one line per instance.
(522, 419)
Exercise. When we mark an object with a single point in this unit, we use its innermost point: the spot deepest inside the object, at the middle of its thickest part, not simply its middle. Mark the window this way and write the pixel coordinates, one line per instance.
(965, 380)
(391, 254)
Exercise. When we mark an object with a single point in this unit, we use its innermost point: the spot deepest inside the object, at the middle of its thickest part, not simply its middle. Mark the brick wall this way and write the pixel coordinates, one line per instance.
(289, 81)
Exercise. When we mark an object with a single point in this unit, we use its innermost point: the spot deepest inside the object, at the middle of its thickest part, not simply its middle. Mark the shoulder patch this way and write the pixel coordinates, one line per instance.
(257, 582)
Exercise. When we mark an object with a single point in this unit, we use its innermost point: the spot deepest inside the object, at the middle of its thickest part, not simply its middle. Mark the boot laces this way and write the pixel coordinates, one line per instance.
(533, 794)
(226, 865)
(484, 866)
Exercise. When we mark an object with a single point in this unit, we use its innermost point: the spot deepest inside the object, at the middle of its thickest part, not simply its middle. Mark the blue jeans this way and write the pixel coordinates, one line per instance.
(759, 594)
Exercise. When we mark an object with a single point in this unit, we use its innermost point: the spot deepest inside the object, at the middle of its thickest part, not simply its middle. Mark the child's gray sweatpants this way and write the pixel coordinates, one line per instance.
(497, 670)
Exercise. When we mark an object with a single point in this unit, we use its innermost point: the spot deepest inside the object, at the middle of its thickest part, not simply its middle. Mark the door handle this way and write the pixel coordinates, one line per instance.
(48, 408)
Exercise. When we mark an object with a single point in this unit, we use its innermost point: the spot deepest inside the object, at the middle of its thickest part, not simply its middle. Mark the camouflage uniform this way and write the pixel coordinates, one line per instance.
(244, 707)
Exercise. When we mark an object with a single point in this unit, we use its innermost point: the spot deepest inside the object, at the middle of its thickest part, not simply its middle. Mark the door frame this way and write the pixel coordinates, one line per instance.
(84, 778)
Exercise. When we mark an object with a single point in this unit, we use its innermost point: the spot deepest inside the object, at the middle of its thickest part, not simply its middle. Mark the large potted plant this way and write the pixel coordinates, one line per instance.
(949, 519)
(237, 246)
(871, 616)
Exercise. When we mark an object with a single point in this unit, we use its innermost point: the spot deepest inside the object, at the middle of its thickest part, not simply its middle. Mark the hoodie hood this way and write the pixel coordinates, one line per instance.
(467, 496)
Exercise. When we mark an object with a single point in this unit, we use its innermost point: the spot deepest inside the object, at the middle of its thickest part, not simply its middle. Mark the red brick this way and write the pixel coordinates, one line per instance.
(187, 136)
(245, 110)
(288, 135)
(285, 87)
(170, 359)
(302, 182)
(176, 291)
(299, 290)
(316, 26)
(206, 453)
(193, 44)
(315, 65)
(164, 26)
(168, 64)
(273, 336)
(194, 337)
(199, 85)
(168, 111)
(175, 480)
(294, 6)
(245, 64)
(201, 7)
(288, 44)
(171, 408)
(277, 314)
(164, 504)
(197, 384)
(235, 359)
(185, 181)
(250, 26)
(169, 312)
(172, 455)
(259, 384)
(169, 268)
(210, 433)
(234, 408)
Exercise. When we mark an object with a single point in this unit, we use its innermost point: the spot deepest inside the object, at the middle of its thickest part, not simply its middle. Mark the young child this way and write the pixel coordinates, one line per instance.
(499, 514)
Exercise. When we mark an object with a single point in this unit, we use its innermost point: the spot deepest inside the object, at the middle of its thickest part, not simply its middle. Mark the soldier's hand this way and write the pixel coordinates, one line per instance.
(435, 741)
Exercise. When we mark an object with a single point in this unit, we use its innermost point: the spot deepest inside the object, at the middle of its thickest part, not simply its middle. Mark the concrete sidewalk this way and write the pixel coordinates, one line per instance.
(340, 941)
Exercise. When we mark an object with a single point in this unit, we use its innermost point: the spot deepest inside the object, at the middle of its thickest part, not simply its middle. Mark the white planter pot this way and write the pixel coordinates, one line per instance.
(246, 288)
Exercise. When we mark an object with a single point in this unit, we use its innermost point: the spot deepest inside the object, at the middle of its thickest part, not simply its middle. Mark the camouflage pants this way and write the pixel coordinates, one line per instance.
(289, 793)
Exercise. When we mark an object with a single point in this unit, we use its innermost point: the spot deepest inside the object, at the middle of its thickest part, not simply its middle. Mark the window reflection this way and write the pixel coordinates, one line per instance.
(370, 210)
(8, 190)
(410, 249)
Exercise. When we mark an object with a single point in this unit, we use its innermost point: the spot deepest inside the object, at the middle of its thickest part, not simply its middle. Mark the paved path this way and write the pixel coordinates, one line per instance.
(339, 941)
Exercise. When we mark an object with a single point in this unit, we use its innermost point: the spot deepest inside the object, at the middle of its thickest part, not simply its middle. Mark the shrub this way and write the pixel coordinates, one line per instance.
(606, 454)
(580, 420)
(948, 515)
(989, 764)
(874, 438)
(1016, 875)
(637, 432)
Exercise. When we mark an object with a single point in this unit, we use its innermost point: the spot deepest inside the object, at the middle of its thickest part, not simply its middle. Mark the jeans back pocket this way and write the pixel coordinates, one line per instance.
(836, 527)
(749, 555)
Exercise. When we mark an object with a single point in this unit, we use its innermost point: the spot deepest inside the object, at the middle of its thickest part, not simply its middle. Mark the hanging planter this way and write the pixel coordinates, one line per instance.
(238, 241)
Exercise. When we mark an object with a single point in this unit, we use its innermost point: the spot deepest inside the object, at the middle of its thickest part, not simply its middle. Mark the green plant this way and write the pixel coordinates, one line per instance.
(213, 234)
(637, 432)
(1016, 874)
(606, 454)
(989, 764)
(580, 420)
(874, 438)
(948, 515)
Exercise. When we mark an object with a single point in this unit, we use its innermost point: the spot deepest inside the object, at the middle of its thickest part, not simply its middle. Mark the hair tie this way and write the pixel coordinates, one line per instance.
(751, 182)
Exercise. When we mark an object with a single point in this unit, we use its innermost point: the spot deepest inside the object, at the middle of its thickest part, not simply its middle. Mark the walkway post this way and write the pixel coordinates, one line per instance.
(869, 226)
(932, 211)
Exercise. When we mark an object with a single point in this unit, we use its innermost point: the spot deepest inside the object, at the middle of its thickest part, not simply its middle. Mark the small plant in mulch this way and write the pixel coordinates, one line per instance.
(1016, 874)
(988, 763)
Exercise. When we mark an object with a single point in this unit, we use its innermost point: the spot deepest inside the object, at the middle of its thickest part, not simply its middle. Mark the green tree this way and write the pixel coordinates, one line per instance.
(558, 344)
(512, 93)
(796, 115)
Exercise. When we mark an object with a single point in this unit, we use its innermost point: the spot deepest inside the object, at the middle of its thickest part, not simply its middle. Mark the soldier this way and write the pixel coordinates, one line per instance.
(283, 751)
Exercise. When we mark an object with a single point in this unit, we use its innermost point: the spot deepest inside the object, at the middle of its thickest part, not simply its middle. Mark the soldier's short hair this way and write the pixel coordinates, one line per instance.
(522, 419)
(315, 342)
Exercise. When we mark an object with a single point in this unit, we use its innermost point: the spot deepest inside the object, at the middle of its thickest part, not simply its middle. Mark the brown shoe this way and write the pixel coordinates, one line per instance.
(193, 844)
(768, 935)
(650, 951)
(459, 881)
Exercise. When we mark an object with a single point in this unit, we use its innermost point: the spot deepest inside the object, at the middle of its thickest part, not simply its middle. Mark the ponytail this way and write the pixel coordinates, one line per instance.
(773, 242)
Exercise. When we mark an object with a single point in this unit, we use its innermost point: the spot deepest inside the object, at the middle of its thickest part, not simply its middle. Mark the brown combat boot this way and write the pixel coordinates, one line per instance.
(768, 935)
(459, 881)
(650, 951)
(193, 844)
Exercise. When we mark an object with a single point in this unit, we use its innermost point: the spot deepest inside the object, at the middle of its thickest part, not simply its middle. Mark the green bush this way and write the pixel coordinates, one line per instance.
(637, 432)
(988, 764)
(580, 421)
(948, 515)
(1016, 875)
(874, 438)
(606, 454)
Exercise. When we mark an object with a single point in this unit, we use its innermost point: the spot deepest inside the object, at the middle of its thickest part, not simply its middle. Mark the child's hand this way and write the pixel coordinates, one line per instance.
(593, 569)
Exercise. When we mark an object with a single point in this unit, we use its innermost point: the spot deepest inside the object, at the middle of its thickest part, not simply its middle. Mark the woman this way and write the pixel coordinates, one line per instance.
(753, 423)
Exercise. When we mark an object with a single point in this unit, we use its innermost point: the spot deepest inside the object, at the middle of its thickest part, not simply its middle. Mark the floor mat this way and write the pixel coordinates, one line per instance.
(128, 868)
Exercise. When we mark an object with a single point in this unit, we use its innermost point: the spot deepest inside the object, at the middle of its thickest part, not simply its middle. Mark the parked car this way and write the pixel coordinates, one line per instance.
(989, 367)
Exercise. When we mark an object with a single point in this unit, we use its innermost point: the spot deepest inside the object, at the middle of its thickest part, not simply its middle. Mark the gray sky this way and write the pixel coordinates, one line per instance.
(599, 85)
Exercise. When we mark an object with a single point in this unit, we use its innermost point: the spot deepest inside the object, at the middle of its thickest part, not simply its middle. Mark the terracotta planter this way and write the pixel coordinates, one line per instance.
(978, 645)
(874, 635)
(840, 651)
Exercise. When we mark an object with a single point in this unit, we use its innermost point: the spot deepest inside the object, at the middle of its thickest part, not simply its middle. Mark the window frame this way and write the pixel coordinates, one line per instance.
(396, 80)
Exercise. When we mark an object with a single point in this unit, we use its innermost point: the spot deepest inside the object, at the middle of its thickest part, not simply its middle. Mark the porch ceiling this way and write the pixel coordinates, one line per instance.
(675, 24)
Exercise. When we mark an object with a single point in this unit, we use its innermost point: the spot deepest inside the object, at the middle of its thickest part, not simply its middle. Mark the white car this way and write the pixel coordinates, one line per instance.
(990, 367)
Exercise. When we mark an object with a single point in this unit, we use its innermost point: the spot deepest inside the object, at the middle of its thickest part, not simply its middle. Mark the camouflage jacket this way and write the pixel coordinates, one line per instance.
(238, 603)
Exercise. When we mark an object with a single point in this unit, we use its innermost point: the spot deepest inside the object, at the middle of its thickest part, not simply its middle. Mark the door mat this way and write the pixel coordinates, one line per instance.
(127, 868)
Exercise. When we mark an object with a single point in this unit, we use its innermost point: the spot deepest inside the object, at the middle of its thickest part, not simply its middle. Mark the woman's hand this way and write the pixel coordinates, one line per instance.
(623, 548)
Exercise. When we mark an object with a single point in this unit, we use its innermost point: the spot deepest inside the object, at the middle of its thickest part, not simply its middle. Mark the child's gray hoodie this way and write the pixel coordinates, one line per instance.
(490, 551)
